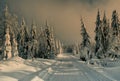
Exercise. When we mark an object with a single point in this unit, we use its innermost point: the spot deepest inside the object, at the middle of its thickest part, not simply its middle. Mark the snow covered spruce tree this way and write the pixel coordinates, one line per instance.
(4, 34)
(13, 22)
(105, 35)
(7, 33)
(85, 45)
(50, 42)
(15, 25)
(34, 48)
(5, 21)
(115, 26)
(76, 48)
(7, 48)
(114, 42)
(115, 23)
(42, 44)
(58, 47)
(14, 47)
(23, 38)
(98, 37)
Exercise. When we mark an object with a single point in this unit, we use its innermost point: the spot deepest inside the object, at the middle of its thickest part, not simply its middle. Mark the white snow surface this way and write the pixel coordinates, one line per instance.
(18, 68)
(65, 67)
(109, 68)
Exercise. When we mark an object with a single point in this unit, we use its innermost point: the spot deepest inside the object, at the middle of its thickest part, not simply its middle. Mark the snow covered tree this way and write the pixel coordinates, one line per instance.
(34, 41)
(98, 37)
(47, 33)
(12, 20)
(15, 25)
(50, 42)
(5, 22)
(5, 33)
(85, 45)
(7, 45)
(76, 48)
(8, 23)
(20, 38)
(98, 22)
(14, 47)
(115, 26)
(33, 31)
(58, 47)
(23, 38)
(105, 34)
(42, 44)
(114, 47)
(115, 23)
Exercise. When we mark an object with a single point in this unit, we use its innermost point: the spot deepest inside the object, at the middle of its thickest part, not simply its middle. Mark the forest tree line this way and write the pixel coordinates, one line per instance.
(17, 39)
(107, 39)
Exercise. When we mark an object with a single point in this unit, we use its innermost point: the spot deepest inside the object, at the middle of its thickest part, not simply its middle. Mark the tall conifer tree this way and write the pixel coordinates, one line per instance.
(85, 45)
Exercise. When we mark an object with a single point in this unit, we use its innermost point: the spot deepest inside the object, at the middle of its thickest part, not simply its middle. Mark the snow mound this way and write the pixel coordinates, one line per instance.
(105, 62)
(5, 78)
(17, 69)
(37, 79)
(17, 59)
(110, 63)
(60, 56)
(95, 62)
(50, 70)
(8, 65)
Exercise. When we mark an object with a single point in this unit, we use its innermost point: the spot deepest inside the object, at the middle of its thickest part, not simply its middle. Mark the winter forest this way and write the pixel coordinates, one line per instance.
(19, 40)
(106, 38)
(34, 53)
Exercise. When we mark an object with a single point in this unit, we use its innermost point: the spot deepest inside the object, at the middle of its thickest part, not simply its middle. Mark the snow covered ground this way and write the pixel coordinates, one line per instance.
(18, 68)
(65, 67)
(110, 69)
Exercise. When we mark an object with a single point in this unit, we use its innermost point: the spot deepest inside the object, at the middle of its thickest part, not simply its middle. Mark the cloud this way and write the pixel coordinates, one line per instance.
(63, 14)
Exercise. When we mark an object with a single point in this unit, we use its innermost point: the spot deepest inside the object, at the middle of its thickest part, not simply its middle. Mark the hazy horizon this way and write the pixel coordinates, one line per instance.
(64, 15)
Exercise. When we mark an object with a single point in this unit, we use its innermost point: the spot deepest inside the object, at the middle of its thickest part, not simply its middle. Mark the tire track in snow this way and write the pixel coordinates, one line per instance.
(82, 72)
(55, 67)
(72, 65)
(48, 74)
(90, 73)
(33, 75)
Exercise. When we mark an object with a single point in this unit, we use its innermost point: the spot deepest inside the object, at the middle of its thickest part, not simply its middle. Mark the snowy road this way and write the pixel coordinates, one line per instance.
(70, 69)
(66, 68)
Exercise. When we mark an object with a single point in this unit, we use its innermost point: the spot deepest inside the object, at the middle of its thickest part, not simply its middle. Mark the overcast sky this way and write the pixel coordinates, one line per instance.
(64, 15)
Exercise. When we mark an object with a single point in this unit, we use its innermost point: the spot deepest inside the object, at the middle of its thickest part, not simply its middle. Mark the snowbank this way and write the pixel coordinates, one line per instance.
(108, 67)
(17, 68)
